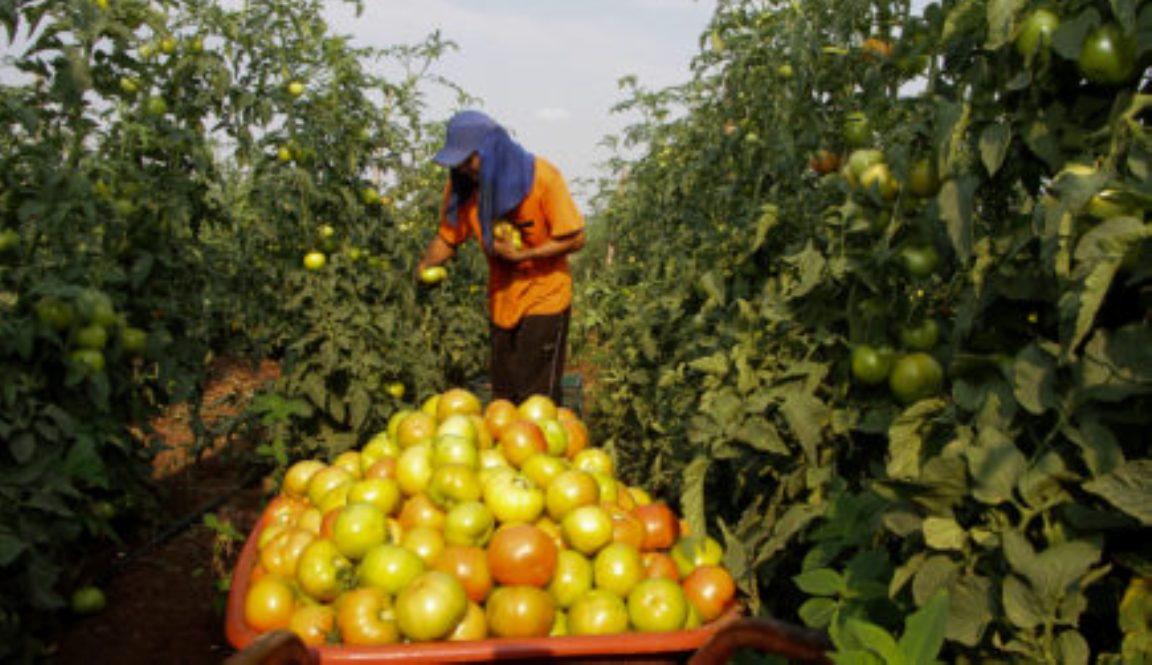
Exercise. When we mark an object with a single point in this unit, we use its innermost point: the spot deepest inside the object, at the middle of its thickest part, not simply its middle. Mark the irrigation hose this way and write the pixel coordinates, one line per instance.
(179, 527)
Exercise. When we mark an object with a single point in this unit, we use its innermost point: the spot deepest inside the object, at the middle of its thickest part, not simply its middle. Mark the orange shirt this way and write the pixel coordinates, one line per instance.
(537, 286)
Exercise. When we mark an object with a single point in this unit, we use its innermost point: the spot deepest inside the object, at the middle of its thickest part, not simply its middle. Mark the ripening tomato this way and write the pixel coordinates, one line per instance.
(431, 606)
(474, 625)
(657, 604)
(522, 554)
(469, 564)
(661, 525)
(365, 617)
(457, 400)
(598, 612)
(520, 611)
(269, 604)
(710, 590)
(498, 414)
(313, 624)
(569, 490)
(573, 577)
(521, 439)
(617, 567)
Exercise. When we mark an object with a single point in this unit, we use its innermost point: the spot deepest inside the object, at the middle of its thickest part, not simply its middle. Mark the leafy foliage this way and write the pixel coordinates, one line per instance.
(165, 165)
(723, 348)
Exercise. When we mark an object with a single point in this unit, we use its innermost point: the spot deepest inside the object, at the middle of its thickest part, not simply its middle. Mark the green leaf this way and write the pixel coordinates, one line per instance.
(938, 572)
(944, 533)
(906, 438)
(818, 612)
(995, 464)
(1034, 379)
(994, 143)
(84, 463)
(1069, 37)
(692, 497)
(715, 364)
(806, 416)
(924, 630)
(1072, 648)
(956, 199)
(972, 607)
(1117, 364)
(1098, 445)
(820, 582)
(22, 446)
(1128, 488)
(1060, 568)
(11, 547)
(875, 639)
(762, 435)
(1022, 607)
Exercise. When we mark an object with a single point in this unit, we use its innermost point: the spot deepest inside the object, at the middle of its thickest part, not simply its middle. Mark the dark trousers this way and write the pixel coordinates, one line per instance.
(529, 359)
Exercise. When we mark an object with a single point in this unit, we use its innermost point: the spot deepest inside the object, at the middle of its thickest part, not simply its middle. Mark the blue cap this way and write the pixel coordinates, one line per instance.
(466, 133)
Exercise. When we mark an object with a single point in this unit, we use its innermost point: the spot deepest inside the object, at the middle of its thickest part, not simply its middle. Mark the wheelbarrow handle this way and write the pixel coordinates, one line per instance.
(279, 647)
(768, 635)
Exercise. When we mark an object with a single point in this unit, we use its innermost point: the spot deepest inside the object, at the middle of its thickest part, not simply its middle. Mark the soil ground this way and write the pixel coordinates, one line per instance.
(165, 604)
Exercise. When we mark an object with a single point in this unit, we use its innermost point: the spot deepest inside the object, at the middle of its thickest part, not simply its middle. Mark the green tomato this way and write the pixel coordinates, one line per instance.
(9, 239)
(1036, 32)
(923, 181)
(88, 600)
(92, 336)
(915, 376)
(1107, 57)
(857, 129)
(433, 274)
(55, 313)
(920, 261)
(156, 106)
(315, 260)
(870, 365)
(134, 341)
(90, 361)
(922, 336)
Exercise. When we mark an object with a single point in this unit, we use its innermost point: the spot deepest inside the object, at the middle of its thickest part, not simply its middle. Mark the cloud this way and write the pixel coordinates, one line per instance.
(552, 114)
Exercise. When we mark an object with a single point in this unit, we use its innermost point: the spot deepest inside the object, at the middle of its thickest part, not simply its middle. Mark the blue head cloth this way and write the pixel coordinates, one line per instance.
(506, 169)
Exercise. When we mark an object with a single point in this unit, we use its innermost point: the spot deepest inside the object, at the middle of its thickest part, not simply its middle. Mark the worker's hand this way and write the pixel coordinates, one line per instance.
(506, 249)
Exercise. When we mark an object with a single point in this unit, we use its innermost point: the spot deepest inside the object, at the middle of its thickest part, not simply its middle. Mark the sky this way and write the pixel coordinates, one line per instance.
(548, 70)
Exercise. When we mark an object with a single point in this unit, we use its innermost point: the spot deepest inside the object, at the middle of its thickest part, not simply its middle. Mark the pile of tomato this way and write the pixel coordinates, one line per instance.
(465, 521)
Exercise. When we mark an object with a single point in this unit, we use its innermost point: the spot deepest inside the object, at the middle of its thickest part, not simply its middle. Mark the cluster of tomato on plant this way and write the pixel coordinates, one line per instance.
(463, 522)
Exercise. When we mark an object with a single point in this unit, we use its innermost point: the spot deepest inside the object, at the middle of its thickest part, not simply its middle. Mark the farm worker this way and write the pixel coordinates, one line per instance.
(493, 181)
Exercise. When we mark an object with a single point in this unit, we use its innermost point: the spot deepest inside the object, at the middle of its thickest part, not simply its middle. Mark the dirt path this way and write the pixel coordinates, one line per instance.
(164, 604)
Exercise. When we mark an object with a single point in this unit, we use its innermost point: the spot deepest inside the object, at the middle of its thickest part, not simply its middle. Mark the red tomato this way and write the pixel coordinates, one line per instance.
(522, 554)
